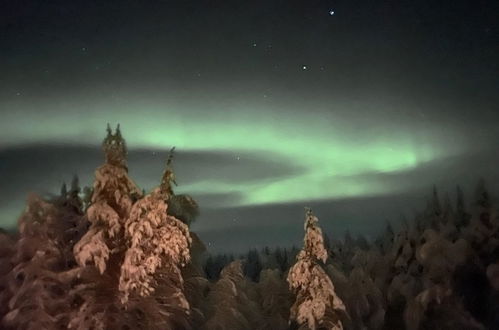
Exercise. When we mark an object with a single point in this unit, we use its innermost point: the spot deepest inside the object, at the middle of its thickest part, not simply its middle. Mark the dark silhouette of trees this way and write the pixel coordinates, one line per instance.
(253, 265)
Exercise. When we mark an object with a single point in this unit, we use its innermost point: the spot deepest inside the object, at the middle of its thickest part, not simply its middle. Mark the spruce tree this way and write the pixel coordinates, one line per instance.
(316, 306)
(131, 257)
(462, 216)
(183, 206)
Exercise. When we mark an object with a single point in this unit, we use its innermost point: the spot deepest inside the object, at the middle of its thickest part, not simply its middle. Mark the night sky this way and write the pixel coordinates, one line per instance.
(355, 108)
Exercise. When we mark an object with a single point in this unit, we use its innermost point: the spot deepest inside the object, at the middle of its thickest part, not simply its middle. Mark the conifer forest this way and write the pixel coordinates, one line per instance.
(112, 256)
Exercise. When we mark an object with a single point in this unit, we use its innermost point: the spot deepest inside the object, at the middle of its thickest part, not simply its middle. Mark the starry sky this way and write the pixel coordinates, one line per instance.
(355, 108)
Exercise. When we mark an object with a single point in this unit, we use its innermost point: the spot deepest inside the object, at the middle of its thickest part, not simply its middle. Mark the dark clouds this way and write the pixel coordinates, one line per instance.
(222, 166)
(43, 168)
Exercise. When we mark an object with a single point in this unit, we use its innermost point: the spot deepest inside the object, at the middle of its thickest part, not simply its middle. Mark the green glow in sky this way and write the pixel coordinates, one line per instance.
(334, 148)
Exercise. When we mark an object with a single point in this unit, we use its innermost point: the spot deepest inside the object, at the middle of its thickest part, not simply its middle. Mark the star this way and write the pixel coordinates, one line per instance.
(254, 44)
(84, 49)
(331, 12)
(238, 157)
(304, 67)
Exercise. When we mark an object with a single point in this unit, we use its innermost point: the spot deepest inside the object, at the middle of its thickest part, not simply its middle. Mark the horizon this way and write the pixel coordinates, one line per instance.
(336, 216)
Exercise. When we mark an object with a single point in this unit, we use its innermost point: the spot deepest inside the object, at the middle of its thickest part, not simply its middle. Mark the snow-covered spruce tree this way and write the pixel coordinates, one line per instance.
(182, 207)
(152, 236)
(316, 306)
(156, 241)
(232, 302)
(275, 300)
(131, 256)
(112, 198)
(40, 275)
(71, 220)
(7, 249)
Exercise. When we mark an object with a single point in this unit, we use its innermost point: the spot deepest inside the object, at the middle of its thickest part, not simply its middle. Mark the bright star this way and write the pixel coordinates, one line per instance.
(304, 67)
(331, 12)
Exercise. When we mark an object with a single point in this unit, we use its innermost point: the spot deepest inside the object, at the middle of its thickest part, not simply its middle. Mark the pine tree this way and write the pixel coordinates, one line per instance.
(74, 200)
(435, 207)
(462, 217)
(433, 213)
(483, 204)
(482, 197)
(253, 265)
(281, 258)
(317, 305)
(327, 242)
(388, 238)
(209, 267)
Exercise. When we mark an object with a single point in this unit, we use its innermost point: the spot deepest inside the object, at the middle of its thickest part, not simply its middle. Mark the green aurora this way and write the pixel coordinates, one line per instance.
(334, 151)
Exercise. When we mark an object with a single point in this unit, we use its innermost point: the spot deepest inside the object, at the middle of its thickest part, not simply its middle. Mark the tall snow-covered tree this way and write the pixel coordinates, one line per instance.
(132, 255)
(232, 301)
(316, 306)
(40, 275)
(182, 207)
(156, 241)
(113, 196)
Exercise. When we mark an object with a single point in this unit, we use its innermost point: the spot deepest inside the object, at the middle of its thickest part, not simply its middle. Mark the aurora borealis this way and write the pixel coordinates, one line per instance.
(327, 154)
(272, 105)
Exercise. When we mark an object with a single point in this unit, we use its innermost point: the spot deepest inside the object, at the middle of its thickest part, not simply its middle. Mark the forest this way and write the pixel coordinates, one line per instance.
(113, 256)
